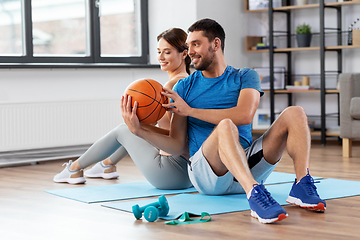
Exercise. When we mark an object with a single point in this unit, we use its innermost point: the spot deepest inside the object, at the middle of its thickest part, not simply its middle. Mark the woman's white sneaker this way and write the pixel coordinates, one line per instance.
(100, 170)
(70, 176)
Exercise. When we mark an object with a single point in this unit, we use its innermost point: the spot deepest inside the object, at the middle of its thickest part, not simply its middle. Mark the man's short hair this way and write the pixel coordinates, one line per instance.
(211, 29)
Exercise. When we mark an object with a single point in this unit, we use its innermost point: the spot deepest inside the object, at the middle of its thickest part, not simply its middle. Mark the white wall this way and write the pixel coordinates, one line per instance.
(164, 14)
(237, 24)
(37, 85)
(27, 85)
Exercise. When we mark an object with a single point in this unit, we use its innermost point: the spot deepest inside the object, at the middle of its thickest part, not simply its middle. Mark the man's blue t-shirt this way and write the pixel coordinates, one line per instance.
(215, 93)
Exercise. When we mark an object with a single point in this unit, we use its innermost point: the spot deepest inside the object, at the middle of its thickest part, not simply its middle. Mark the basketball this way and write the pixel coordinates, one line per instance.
(147, 92)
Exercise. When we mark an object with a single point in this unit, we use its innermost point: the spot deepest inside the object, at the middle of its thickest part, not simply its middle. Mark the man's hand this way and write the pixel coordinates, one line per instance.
(129, 114)
(178, 106)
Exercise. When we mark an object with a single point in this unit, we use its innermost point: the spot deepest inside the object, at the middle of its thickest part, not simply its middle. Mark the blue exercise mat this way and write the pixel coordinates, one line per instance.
(280, 177)
(115, 192)
(197, 203)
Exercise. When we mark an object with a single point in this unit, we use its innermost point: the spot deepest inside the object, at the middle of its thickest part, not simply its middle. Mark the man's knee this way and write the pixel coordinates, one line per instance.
(227, 125)
(295, 113)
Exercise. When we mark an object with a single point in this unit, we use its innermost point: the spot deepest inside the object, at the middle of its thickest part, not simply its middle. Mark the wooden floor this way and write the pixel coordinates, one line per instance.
(27, 212)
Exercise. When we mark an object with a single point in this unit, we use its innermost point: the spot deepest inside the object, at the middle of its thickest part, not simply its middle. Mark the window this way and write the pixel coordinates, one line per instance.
(59, 28)
(11, 37)
(119, 28)
(73, 31)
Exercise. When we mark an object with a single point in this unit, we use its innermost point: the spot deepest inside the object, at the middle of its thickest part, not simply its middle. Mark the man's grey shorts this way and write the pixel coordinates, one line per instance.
(207, 182)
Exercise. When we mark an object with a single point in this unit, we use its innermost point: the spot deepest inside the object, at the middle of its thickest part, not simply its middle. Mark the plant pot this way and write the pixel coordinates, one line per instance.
(303, 40)
(302, 2)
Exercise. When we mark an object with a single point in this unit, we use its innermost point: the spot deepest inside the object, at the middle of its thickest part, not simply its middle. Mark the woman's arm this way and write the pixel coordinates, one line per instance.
(155, 129)
(174, 143)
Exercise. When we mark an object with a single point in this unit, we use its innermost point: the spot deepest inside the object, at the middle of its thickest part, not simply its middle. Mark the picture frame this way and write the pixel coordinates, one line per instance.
(262, 119)
(263, 4)
(279, 77)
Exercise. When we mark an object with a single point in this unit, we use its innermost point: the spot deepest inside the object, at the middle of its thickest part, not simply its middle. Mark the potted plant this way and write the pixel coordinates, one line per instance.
(303, 35)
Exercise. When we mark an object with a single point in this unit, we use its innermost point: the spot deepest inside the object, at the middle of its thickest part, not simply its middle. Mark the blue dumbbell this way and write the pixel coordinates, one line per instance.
(153, 210)
(151, 214)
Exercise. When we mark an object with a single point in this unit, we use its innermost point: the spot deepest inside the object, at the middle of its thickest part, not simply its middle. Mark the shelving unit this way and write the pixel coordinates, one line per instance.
(301, 49)
(294, 7)
(287, 10)
(313, 133)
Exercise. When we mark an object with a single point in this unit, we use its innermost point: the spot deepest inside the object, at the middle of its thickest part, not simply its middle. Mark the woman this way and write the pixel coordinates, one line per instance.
(161, 169)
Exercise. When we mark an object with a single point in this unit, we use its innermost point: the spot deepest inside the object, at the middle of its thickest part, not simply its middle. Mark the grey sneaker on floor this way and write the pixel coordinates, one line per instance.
(100, 170)
(69, 176)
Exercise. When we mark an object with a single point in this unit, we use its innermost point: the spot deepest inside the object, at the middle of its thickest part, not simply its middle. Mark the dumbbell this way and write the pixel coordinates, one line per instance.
(153, 210)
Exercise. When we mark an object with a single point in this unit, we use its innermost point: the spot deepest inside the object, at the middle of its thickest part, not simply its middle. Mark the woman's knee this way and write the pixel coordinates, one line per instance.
(120, 130)
(121, 127)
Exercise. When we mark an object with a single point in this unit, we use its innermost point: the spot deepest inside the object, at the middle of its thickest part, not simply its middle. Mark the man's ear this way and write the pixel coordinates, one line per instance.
(217, 44)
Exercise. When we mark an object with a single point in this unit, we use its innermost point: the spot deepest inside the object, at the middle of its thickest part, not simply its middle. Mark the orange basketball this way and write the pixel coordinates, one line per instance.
(147, 92)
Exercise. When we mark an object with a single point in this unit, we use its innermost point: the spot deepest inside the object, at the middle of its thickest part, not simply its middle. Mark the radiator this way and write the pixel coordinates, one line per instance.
(38, 126)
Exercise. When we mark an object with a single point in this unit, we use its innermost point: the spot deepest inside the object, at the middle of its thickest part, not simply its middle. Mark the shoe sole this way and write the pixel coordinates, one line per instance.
(282, 216)
(71, 180)
(103, 175)
(320, 207)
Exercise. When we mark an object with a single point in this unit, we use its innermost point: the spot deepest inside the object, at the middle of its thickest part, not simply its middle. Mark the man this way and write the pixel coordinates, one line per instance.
(214, 108)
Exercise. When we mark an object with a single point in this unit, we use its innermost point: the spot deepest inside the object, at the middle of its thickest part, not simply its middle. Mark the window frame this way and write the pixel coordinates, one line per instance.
(94, 59)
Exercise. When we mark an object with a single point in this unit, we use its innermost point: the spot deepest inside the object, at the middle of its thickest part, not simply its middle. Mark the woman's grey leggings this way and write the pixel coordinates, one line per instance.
(163, 172)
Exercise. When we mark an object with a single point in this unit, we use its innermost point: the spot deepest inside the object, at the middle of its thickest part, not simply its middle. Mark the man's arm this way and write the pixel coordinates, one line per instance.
(164, 122)
(173, 143)
(241, 114)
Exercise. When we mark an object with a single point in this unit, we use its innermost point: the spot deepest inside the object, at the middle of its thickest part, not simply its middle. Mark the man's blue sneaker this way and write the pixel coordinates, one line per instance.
(264, 207)
(304, 194)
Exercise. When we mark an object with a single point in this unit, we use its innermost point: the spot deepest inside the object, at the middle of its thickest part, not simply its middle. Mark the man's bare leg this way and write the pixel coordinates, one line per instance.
(224, 153)
(290, 131)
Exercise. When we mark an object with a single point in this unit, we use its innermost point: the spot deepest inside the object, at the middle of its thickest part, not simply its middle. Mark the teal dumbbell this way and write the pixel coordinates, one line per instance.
(153, 210)
(151, 214)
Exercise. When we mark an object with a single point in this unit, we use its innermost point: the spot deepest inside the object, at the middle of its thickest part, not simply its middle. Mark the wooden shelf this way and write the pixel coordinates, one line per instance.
(318, 133)
(312, 133)
(261, 131)
(333, 134)
(256, 51)
(307, 6)
(332, 91)
(303, 91)
(296, 49)
(285, 49)
(341, 47)
(251, 41)
(257, 10)
(295, 7)
(303, 49)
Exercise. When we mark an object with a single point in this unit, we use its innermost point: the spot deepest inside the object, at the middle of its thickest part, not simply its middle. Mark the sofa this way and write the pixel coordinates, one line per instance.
(349, 110)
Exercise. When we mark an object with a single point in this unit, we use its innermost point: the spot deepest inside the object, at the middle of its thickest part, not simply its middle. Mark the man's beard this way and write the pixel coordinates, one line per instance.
(205, 62)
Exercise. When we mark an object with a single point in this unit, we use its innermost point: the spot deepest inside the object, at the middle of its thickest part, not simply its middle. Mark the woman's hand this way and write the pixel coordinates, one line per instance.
(178, 106)
(129, 114)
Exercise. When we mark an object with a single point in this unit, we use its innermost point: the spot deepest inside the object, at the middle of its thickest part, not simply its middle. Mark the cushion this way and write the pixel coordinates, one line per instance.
(355, 108)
